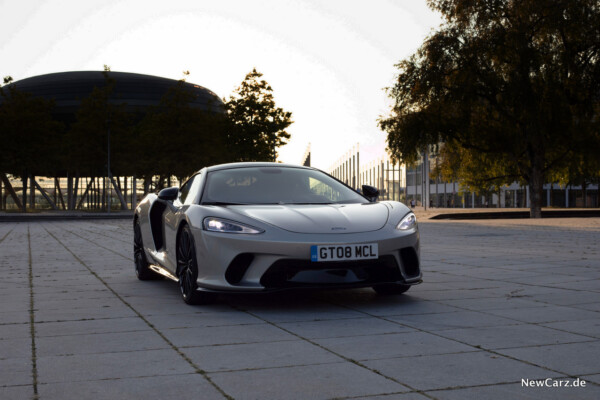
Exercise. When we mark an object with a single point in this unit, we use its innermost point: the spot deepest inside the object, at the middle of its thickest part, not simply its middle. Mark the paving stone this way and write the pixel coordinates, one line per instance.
(392, 345)
(202, 319)
(511, 336)
(157, 387)
(97, 343)
(453, 320)
(14, 331)
(129, 364)
(16, 392)
(85, 327)
(305, 382)
(455, 370)
(546, 314)
(16, 348)
(516, 391)
(544, 280)
(592, 378)
(218, 335)
(15, 317)
(301, 312)
(16, 371)
(337, 328)
(396, 396)
(259, 355)
(412, 303)
(73, 314)
(493, 303)
(571, 298)
(574, 359)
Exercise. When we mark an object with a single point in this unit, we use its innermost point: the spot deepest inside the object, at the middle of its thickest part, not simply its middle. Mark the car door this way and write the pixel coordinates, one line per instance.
(171, 218)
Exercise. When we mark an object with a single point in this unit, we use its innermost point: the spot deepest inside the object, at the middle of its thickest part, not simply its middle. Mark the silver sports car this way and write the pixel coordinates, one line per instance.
(255, 227)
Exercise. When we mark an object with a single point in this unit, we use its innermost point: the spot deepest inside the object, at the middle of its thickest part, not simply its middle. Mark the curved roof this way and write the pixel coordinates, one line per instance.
(137, 91)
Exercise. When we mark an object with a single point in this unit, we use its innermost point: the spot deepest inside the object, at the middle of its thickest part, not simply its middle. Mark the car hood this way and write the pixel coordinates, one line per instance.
(319, 218)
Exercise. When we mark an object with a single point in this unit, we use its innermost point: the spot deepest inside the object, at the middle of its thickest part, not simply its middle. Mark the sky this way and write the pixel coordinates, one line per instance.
(328, 61)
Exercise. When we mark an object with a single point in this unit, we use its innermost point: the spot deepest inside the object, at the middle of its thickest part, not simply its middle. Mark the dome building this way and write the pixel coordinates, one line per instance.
(137, 92)
(133, 93)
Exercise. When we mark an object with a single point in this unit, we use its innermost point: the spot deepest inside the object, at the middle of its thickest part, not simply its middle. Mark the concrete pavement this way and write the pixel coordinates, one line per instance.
(505, 306)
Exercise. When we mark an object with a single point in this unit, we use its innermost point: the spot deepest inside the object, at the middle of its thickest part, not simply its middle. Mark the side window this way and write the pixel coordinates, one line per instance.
(185, 189)
(194, 188)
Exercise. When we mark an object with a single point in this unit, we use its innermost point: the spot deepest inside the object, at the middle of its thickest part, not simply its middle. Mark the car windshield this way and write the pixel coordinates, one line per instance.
(275, 185)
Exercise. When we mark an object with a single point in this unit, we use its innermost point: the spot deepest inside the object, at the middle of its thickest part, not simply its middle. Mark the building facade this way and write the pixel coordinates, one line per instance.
(416, 183)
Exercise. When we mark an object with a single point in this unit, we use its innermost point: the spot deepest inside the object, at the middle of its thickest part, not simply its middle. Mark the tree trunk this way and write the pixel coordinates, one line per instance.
(31, 192)
(134, 193)
(24, 200)
(147, 182)
(69, 191)
(536, 184)
(75, 190)
(103, 197)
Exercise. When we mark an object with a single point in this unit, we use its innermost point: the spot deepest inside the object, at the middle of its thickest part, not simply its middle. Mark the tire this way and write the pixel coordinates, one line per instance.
(142, 266)
(187, 267)
(387, 289)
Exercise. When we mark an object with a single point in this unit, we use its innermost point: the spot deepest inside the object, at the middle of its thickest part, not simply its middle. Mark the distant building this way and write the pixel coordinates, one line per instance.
(137, 92)
(134, 93)
(414, 182)
(306, 158)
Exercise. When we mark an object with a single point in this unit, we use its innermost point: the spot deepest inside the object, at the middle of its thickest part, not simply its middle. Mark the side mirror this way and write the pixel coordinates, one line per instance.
(370, 193)
(169, 194)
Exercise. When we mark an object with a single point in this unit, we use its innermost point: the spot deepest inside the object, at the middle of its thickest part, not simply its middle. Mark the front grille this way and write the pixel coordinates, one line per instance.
(291, 273)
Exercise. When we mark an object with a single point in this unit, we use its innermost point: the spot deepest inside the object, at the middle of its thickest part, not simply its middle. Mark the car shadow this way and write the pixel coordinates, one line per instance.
(313, 299)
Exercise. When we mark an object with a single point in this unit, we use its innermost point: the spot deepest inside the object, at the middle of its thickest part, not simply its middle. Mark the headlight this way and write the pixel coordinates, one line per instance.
(225, 226)
(408, 222)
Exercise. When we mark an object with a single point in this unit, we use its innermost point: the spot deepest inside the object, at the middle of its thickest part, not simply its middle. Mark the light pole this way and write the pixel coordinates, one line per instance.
(108, 166)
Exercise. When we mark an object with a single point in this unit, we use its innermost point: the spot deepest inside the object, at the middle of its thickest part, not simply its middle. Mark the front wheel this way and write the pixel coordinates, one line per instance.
(391, 288)
(187, 265)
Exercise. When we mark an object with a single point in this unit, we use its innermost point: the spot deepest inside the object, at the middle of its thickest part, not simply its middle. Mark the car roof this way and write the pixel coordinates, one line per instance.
(251, 165)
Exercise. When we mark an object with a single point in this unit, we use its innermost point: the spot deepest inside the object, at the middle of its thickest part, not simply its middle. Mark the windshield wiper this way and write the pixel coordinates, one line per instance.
(303, 204)
(221, 203)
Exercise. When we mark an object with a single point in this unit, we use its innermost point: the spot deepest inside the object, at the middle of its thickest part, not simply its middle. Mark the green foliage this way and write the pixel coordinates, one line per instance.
(30, 137)
(510, 87)
(256, 126)
(172, 139)
(87, 139)
(178, 139)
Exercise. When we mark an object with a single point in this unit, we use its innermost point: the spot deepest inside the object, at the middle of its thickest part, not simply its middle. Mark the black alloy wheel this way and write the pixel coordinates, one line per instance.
(142, 266)
(187, 266)
(391, 288)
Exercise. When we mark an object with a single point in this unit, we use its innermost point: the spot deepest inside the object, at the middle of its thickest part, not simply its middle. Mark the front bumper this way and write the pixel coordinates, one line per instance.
(281, 260)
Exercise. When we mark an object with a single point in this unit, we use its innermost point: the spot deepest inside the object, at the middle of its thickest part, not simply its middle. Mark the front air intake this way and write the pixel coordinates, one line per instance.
(410, 262)
(238, 267)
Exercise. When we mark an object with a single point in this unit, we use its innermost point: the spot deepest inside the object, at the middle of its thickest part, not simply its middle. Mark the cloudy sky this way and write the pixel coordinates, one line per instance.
(327, 60)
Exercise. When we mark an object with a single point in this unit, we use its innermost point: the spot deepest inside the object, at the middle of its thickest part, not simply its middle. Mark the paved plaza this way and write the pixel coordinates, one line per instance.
(505, 306)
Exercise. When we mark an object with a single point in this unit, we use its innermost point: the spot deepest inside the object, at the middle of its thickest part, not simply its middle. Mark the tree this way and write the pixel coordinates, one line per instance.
(180, 137)
(256, 126)
(29, 135)
(510, 88)
(87, 139)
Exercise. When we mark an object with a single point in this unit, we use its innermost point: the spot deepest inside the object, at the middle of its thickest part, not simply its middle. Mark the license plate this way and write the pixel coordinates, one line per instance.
(344, 252)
